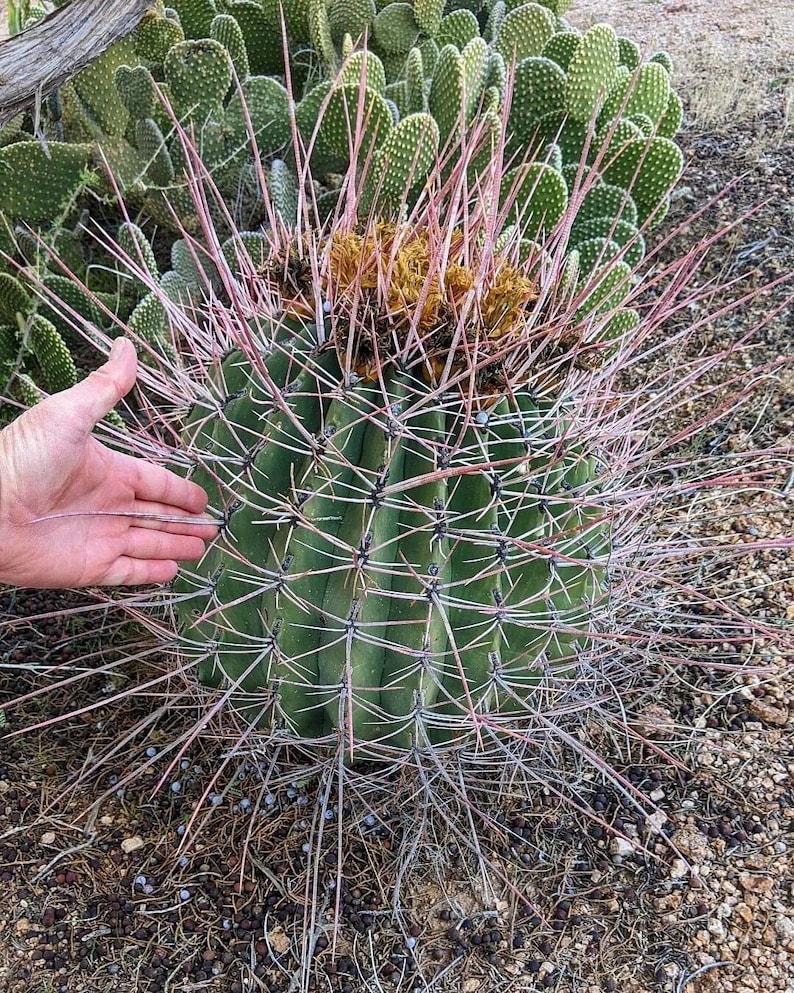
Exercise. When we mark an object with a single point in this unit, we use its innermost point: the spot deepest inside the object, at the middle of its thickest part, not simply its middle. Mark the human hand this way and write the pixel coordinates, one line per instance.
(50, 463)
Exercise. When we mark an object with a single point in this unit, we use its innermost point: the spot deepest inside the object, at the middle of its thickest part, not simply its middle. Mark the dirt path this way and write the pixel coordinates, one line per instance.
(744, 29)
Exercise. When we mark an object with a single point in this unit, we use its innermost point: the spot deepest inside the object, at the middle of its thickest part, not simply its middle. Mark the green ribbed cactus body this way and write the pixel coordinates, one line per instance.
(395, 566)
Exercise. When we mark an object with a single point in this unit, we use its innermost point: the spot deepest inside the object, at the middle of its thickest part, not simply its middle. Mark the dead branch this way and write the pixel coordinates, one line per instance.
(40, 59)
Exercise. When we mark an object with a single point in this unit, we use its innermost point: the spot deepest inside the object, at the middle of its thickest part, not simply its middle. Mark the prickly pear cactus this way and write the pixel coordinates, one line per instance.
(410, 543)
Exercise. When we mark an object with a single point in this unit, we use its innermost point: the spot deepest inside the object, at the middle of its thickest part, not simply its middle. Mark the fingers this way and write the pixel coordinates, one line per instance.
(147, 544)
(151, 557)
(97, 394)
(202, 525)
(139, 572)
(156, 484)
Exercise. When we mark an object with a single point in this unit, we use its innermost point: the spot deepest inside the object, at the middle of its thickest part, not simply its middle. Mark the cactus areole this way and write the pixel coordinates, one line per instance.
(411, 544)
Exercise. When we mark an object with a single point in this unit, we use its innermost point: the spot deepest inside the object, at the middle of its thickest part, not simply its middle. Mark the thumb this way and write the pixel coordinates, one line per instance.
(98, 393)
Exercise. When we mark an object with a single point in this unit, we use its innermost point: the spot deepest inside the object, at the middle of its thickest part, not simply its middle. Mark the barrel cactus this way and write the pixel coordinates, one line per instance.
(415, 539)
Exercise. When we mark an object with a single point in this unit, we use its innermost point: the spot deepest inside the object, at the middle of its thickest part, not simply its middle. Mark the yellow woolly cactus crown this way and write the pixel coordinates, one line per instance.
(422, 297)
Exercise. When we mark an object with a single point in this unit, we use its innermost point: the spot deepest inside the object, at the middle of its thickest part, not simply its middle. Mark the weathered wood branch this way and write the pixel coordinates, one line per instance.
(57, 48)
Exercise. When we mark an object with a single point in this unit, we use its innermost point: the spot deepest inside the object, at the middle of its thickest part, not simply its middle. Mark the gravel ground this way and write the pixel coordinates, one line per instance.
(112, 894)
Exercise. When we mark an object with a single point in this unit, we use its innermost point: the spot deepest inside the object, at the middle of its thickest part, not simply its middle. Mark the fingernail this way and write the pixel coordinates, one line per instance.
(117, 349)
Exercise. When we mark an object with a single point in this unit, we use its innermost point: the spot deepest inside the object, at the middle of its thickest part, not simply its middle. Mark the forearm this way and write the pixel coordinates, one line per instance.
(9, 531)
(7, 536)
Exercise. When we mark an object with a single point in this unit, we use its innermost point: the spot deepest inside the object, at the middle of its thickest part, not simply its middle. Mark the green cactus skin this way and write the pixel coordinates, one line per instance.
(34, 183)
(597, 67)
(649, 170)
(198, 74)
(14, 299)
(195, 16)
(134, 243)
(226, 30)
(540, 87)
(262, 32)
(136, 88)
(364, 585)
(619, 325)
(67, 296)
(428, 14)
(474, 62)
(367, 66)
(625, 235)
(458, 29)
(351, 17)
(9, 351)
(320, 34)
(673, 117)
(267, 106)
(403, 160)
(155, 36)
(283, 191)
(607, 200)
(23, 387)
(394, 29)
(540, 200)
(596, 252)
(525, 31)
(429, 49)
(324, 119)
(646, 91)
(664, 60)
(246, 252)
(432, 72)
(149, 322)
(154, 152)
(561, 48)
(592, 71)
(629, 53)
(51, 353)
(12, 130)
(96, 88)
(445, 100)
(607, 286)
(415, 90)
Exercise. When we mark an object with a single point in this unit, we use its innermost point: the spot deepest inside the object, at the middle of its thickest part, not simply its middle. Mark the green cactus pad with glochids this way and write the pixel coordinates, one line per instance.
(592, 71)
(422, 58)
(52, 355)
(199, 75)
(403, 160)
(35, 182)
(155, 36)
